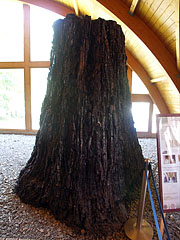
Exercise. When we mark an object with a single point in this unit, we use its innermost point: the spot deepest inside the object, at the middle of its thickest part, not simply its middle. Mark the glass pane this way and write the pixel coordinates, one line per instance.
(12, 110)
(12, 31)
(38, 81)
(41, 21)
(155, 111)
(138, 86)
(140, 112)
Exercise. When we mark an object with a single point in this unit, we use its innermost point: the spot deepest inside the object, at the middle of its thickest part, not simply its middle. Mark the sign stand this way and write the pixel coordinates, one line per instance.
(138, 228)
(162, 225)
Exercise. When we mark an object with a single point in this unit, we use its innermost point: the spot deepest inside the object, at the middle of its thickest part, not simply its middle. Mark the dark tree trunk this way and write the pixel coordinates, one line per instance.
(87, 160)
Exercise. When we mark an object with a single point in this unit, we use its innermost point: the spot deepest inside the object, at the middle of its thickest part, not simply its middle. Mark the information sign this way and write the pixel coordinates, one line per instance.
(168, 144)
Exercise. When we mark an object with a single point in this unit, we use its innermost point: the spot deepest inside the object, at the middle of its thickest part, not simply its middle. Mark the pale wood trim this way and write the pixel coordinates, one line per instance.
(150, 117)
(129, 74)
(141, 98)
(12, 64)
(133, 6)
(177, 11)
(26, 34)
(27, 73)
(18, 131)
(54, 6)
(146, 135)
(76, 7)
(149, 38)
(153, 90)
(159, 79)
(34, 64)
(39, 64)
(162, 225)
(27, 90)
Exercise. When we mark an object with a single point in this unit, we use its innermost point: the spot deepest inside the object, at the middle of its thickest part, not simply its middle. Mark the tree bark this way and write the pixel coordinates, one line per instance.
(86, 161)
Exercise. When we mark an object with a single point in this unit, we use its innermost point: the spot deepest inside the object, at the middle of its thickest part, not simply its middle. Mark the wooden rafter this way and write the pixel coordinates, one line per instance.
(76, 8)
(133, 6)
(177, 10)
(150, 39)
(129, 73)
(153, 90)
(159, 79)
(54, 6)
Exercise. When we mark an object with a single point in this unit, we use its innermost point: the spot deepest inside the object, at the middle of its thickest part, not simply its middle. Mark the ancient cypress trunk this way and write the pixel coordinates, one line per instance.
(86, 161)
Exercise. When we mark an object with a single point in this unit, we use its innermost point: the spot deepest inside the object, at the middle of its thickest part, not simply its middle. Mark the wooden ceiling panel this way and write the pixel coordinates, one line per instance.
(167, 24)
(170, 92)
(152, 10)
(143, 8)
(161, 15)
(171, 36)
(144, 56)
(177, 23)
(172, 42)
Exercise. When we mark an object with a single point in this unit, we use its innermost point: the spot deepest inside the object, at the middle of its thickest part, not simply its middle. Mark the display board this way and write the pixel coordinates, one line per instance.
(168, 145)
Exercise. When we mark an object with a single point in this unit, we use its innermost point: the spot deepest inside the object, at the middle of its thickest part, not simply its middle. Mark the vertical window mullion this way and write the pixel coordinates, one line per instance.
(27, 74)
(150, 117)
(129, 73)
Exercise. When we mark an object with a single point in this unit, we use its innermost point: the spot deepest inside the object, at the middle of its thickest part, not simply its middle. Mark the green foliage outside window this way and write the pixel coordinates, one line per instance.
(12, 98)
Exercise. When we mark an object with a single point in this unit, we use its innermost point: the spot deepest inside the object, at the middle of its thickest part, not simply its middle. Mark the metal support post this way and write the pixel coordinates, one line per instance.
(138, 228)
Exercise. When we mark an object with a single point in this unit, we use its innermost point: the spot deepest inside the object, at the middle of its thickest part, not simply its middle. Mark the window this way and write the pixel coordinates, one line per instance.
(140, 112)
(12, 33)
(143, 110)
(41, 33)
(155, 111)
(24, 66)
(38, 81)
(12, 114)
(138, 86)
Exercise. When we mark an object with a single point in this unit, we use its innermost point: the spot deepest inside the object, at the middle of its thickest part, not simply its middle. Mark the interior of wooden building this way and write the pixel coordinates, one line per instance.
(152, 43)
(151, 29)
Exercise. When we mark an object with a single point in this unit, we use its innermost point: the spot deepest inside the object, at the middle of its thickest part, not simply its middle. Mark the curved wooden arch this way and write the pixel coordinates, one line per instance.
(53, 6)
(150, 39)
(153, 90)
(131, 61)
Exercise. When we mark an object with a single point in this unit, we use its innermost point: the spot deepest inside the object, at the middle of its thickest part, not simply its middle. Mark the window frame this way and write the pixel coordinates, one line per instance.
(142, 98)
(27, 64)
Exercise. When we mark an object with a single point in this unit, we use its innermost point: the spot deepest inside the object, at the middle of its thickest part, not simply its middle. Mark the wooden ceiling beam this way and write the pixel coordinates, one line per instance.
(76, 8)
(133, 6)
(153, 90)
(177, 11)
(54, 6)
(159, 79)
(150, 39)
